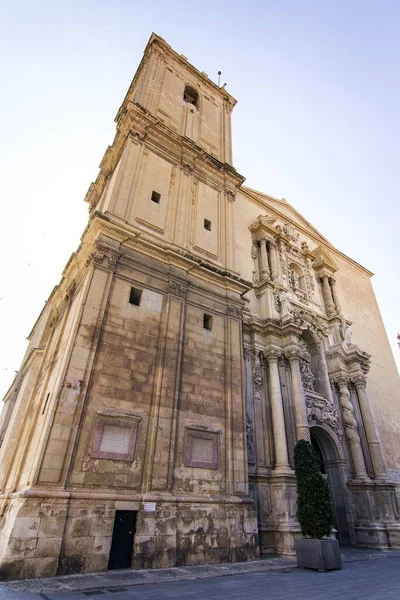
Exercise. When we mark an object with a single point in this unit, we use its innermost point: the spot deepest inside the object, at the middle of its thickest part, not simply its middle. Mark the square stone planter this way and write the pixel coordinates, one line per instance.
(321, 555)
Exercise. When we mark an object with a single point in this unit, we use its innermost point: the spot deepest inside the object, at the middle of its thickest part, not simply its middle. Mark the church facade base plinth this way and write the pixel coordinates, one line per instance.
(60, 536)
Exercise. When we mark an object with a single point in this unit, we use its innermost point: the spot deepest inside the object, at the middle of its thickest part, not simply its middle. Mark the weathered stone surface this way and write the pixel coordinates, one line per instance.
(47, 547)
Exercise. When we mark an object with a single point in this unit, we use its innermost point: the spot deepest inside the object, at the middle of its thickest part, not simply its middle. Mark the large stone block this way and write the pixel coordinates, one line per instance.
(48, 547)
(39, 567)
(20, 548)
(96, 563)
(51, 526)
(78, 546)
(25, 527)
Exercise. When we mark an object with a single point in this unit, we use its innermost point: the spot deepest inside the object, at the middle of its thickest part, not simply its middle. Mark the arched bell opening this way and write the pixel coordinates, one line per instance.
(332, 465)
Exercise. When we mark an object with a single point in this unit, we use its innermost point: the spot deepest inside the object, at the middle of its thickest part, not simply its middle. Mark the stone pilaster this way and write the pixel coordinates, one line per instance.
(350, 425)
(370, 432)
(299, 401)
(278, 418)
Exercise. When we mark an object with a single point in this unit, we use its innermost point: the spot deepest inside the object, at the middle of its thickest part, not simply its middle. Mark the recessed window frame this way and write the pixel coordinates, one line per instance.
(135, 296)
(207, 224)
(191, 96)
(207, 322)
(155, 197)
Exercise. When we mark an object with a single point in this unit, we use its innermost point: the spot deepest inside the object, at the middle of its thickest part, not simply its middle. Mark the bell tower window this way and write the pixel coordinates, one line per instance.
(191, 96)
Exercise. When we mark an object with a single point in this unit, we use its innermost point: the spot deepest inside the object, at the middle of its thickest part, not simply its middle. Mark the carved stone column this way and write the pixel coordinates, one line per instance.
(350, 425)
(274, 261)
(370, 432)
(335, 296)
(326, 288)
(299, 401)
(278, 418)
(265, 274)
(325, 374)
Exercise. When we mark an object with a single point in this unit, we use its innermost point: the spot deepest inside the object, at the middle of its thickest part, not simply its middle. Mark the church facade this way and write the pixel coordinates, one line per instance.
(198, 331)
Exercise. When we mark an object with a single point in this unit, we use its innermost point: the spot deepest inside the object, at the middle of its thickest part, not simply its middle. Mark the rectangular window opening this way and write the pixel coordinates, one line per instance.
(207, 322)
(207, 224)
(135, 296)
(155, 196)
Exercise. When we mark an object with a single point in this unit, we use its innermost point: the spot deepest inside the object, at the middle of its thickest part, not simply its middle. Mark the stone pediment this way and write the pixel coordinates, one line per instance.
(265, 224)
(285, 210)
(322, 258)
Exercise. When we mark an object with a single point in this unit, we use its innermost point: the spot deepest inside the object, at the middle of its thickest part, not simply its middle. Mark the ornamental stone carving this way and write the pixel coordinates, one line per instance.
(251, 455)
(178, 289)
(320, 411)
(70, 290)
(290, 232)
(257, 377)
(307, 376)
(235, 311)
(102, 257)
(307, 320)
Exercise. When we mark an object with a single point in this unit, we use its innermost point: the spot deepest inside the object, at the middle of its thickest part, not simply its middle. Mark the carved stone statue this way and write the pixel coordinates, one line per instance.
(294, 280)
(285, 304)
(250, 440)
(307, 376)
(345, 332)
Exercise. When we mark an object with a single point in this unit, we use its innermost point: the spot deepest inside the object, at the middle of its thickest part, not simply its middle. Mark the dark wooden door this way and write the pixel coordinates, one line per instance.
(122, 540)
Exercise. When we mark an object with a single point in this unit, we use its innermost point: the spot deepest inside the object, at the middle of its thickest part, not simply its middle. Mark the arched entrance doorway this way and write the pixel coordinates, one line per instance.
(331, 463)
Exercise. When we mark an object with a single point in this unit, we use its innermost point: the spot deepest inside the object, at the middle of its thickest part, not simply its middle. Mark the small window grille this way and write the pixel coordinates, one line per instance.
(207, 224)
(135, 296)
(207, 322)
(155, 196)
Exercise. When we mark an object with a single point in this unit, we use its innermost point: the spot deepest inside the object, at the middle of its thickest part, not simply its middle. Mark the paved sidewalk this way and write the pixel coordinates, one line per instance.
(187, 582)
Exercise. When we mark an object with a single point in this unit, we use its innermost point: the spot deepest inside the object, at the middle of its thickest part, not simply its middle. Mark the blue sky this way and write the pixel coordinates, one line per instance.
(317, 122)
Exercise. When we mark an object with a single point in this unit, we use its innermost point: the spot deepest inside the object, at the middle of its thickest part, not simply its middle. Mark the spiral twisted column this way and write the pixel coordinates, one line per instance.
(299, 400)
(350, 425)
(278, 417)
(373, 443)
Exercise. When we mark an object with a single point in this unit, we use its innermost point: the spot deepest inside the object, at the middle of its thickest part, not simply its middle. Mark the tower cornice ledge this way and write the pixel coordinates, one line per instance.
(138, 122)
(129, 237)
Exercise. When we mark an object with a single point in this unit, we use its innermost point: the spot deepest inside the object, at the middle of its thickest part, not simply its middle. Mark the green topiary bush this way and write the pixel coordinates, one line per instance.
(314, 504)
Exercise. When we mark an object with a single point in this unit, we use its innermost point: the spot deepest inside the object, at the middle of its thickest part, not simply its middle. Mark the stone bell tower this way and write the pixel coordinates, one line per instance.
(127, 417)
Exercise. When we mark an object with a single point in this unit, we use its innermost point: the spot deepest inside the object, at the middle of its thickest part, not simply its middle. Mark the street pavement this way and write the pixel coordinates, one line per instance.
(366, 575)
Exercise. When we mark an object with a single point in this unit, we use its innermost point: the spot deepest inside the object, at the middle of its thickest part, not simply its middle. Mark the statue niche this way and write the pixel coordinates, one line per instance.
(313, 364)
(296, 278)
